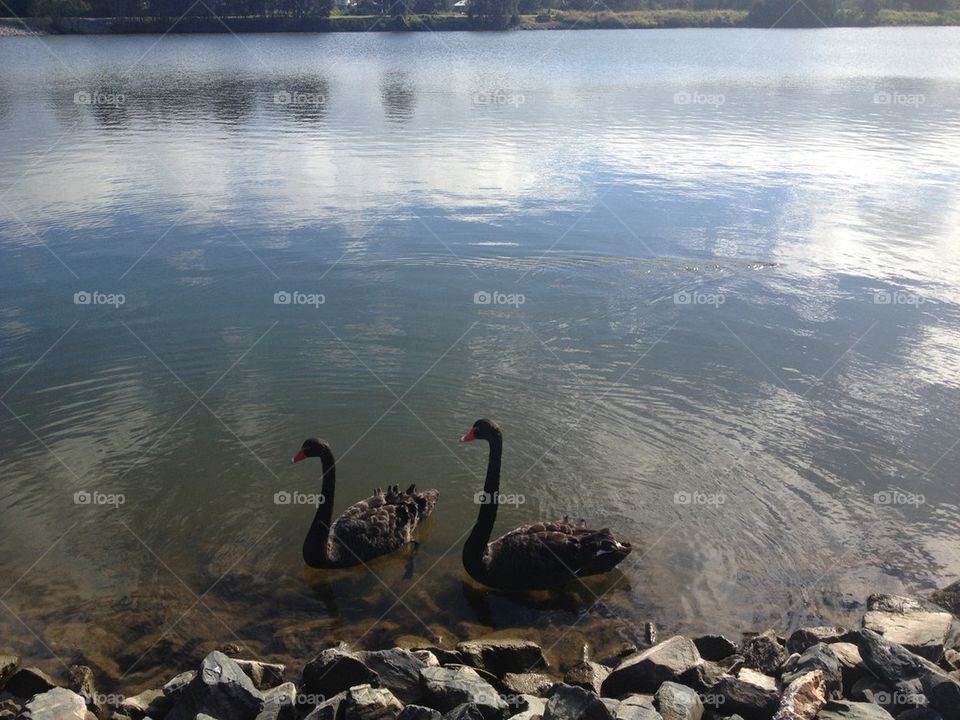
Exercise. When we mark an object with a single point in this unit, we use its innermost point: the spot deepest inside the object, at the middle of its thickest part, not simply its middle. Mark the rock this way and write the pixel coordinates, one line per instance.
(264, 675)
(30, 681)
(368, 703)
(906, 622)
(949, 598)
(527, 683)
(502, 656)
(757, 678)
(178, 683)
(418, 712)
(80, 680)
(445, 657)
(398, 671)
(466, 711)
(748, 695)
(574, 703)
(847, 710)
(149, 702)
(329, 709)
(9, 664)
(637, 707)
(648, 670)
(819, 657)
(703, 677)
(678, 702)
(335, 670)
(426, 657)
(714, 647)
(279, 703)
(952, 658)
(851, 664)
(764, 653)
(55, 704)
(446, 687)
(220, 689)
(803, 698)
(806, 637)
(650, 633)
(868, 689)
(533, 706)
(588, 675)
(907, 673)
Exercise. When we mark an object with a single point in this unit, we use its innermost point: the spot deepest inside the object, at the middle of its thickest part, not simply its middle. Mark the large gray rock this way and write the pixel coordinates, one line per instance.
(56, 704)
(329, 709)
(803, 698)
(500, 656)
(9, 664)
(851, 664)
(368, 703)
(335, 670)
(446, 687)
(909, 674)
(279, 703)
(637, 707)
(749, 694)
(764, 653)
(678, 702)
(398, 670)
(846, 710)
(588, 675)
(80, 679)
(29, 681)
(527, 683)
(574, 703)
(418, 712)
(648, 670)
(819, 657)
(264, 675)
(906, 622)
(220, 689)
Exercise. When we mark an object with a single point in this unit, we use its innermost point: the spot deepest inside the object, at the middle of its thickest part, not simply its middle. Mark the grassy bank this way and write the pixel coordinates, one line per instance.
(552, 20)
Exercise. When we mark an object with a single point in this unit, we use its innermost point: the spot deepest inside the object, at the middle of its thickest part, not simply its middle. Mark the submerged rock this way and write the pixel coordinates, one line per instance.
(678, 702)
(646, 671)
(906, 622)
(502, 656)
(567, 702)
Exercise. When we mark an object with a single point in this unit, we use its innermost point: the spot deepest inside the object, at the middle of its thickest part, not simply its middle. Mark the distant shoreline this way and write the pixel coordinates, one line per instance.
(555, 20)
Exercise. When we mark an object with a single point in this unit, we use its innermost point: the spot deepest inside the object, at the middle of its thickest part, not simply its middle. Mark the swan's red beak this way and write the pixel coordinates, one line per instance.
(468, 437)
(298, 457)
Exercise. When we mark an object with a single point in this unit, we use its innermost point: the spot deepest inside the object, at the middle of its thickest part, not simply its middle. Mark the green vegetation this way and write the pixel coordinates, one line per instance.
(361, 15)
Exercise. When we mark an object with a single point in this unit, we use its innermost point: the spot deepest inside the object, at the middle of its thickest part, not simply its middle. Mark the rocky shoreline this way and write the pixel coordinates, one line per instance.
(903, 662)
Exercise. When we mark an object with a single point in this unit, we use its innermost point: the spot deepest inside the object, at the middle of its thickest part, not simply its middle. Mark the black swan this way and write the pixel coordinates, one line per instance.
(376, 526)
(542, 556)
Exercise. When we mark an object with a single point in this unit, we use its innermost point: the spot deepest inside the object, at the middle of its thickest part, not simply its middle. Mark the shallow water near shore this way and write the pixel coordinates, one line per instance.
(707, 282)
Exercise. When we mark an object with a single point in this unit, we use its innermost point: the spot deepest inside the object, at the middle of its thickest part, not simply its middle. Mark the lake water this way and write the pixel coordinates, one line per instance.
(719, 277)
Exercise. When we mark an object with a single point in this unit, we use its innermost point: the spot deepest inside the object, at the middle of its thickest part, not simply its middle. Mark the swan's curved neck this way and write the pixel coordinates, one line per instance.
(316, 546)
(476, 545)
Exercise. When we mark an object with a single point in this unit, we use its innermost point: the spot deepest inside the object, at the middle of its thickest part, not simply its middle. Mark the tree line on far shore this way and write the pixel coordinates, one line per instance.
(315, 14)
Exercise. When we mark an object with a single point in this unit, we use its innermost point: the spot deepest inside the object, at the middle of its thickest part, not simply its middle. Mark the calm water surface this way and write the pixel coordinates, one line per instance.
(739, 263)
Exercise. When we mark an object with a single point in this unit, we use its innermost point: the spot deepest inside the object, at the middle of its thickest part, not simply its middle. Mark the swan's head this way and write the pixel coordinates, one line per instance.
(312, 447)
(482, 430)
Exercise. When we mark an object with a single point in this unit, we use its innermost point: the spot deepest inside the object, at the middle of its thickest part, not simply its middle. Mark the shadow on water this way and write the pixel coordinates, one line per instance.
(398, 95)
